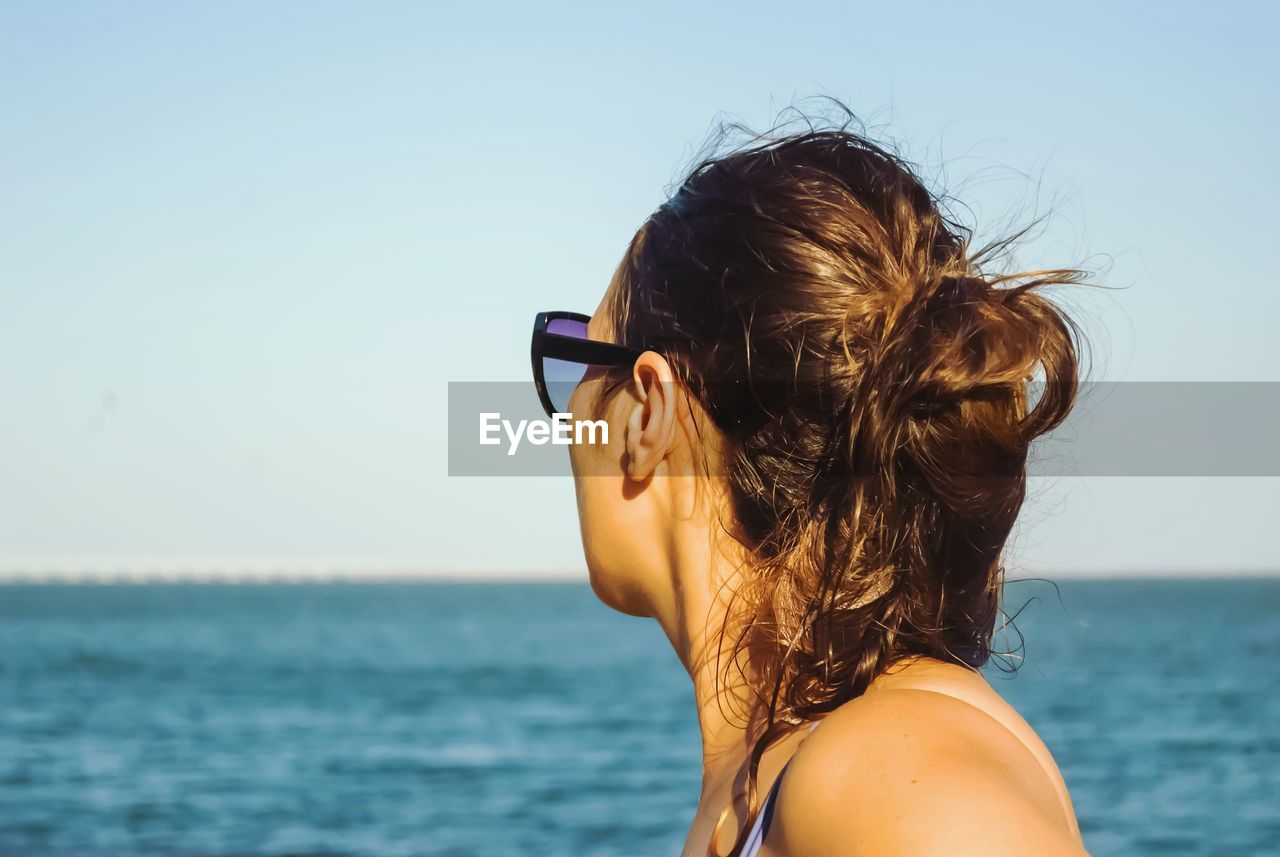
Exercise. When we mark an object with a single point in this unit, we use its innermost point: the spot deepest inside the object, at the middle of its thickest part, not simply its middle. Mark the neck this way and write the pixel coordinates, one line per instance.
(703, 578)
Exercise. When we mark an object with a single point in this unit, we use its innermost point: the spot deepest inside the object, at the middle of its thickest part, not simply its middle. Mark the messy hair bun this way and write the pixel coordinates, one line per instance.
(872, 381)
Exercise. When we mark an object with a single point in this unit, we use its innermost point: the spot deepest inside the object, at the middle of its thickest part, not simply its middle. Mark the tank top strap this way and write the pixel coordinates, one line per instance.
(760, 829)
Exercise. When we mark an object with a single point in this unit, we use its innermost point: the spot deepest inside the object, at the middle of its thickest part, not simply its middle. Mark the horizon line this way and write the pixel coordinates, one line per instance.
(304, 576)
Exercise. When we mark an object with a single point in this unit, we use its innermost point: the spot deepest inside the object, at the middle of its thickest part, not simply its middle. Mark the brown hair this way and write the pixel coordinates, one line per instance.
(871, 379)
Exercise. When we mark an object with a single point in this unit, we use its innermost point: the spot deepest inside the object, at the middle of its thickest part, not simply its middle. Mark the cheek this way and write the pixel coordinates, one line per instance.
(606, 518)
(598, 483)
(613, 545)
(601, 453)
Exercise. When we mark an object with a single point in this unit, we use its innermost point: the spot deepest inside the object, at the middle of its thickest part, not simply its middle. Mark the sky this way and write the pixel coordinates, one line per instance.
(245, 247)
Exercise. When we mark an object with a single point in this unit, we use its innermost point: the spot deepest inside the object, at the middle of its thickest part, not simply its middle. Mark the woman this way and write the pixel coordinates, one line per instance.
(818, 419)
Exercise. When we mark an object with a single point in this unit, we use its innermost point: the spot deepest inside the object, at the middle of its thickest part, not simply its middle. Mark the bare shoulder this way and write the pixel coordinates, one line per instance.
(908, 771)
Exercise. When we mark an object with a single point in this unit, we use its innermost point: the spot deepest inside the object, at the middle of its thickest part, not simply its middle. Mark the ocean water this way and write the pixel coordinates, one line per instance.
(504, 720)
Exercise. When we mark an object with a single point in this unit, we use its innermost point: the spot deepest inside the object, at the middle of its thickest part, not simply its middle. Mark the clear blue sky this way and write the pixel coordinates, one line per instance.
(244, 246)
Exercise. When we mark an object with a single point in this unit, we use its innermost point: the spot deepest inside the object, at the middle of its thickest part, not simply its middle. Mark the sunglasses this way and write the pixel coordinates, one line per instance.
(562, 353)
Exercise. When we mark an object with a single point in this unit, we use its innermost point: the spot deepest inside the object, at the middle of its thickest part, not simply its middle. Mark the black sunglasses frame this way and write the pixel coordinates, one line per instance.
(586, 351)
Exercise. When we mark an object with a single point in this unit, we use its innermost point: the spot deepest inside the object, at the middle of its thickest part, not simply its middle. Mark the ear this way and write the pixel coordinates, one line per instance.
(651, 426)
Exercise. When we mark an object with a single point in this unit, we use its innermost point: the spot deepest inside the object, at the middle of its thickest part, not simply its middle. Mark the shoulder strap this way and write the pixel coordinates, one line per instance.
(766, 810)
(755, 839)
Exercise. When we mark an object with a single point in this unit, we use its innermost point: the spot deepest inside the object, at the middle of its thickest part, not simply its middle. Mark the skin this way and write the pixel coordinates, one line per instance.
(930, 760)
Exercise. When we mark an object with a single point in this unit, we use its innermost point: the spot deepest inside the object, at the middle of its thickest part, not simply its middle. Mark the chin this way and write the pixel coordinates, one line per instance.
(616, 592)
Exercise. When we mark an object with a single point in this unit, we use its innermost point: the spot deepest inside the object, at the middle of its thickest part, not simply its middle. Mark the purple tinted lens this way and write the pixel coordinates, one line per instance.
(563, 376)
(567, 327)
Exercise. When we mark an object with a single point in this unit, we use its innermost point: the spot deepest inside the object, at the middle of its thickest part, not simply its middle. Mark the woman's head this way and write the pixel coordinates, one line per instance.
(858, 381)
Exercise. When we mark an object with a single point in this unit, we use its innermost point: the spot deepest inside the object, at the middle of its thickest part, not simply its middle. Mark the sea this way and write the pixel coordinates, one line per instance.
(519, 719)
